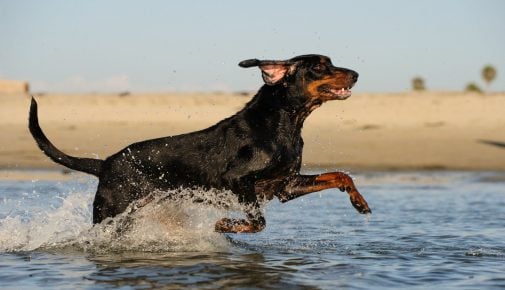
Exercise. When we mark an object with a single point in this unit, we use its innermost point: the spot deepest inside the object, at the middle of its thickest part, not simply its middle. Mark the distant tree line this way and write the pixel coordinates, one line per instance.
(488, 74)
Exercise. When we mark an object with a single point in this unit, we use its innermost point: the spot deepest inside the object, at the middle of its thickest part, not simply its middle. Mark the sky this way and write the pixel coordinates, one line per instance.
(155, 45)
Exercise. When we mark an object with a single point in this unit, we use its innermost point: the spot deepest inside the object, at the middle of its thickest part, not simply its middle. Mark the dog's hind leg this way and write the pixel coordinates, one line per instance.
(108, 202)
(101, 206)
(300, 185)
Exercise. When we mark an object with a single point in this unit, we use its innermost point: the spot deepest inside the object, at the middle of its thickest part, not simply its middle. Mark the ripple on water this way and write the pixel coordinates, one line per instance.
(428, 230)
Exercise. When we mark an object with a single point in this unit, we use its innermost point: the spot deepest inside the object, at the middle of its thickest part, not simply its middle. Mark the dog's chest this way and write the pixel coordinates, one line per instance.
(287, 157)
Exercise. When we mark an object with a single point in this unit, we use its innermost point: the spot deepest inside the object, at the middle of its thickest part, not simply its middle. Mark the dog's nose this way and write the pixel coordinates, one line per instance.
(354, 76)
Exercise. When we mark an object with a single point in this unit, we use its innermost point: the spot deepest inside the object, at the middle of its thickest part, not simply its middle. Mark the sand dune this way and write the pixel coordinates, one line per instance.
(368, 131)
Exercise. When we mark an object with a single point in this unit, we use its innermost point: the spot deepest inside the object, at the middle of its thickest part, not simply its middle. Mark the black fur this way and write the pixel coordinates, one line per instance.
(88, 165)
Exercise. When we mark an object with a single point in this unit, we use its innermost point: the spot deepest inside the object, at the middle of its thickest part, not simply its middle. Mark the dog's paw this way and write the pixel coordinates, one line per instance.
(359, 203)
(224, 225)
(227, 225)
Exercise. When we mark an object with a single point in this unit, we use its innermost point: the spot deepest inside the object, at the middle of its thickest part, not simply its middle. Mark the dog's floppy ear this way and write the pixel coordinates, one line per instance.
(272, 71)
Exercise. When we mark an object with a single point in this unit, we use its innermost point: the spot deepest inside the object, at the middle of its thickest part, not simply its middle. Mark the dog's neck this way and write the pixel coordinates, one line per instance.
(283, 101)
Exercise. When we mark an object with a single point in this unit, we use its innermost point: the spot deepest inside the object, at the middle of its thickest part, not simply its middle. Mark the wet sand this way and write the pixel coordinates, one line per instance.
(400, 131)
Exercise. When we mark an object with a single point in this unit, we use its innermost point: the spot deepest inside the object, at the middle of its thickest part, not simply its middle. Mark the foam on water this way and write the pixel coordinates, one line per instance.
(163, 224)
(156, 225)
(46, 228)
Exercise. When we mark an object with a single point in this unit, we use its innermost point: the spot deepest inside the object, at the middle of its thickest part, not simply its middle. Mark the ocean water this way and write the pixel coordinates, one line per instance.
(428, 230)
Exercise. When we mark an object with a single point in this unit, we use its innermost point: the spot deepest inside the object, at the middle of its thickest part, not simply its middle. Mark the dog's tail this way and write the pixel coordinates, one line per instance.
(88, 165)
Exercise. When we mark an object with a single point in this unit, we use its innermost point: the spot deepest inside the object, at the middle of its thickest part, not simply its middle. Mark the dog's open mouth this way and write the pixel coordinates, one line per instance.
(333, 92)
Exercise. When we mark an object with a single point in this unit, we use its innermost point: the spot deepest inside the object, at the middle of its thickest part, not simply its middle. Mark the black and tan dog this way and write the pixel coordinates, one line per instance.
(256, 153)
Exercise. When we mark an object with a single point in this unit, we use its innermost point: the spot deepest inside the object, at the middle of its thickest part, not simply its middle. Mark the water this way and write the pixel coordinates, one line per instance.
(443, 230)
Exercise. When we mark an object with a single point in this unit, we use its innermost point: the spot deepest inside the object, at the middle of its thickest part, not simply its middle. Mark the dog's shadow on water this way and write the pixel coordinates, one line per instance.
(182, 269)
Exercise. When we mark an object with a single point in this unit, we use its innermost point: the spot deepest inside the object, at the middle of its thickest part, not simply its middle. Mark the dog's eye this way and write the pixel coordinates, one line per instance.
(318, 67)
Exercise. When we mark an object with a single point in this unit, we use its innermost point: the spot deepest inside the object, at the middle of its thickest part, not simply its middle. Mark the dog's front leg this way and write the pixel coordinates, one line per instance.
(300, 185)
(254, 222)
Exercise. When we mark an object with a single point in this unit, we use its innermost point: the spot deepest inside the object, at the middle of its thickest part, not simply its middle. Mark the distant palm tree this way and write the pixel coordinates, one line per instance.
(473, 88)
(418, 84)
(488, 74)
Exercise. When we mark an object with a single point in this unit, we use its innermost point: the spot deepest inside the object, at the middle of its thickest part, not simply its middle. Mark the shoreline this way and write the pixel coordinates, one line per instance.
(58, 174)
(367, 132)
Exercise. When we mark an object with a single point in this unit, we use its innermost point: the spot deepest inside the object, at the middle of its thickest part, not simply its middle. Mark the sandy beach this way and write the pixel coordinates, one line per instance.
(376, 131)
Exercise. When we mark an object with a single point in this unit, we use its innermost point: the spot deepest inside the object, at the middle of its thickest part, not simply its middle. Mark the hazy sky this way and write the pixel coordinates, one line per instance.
(93, 45)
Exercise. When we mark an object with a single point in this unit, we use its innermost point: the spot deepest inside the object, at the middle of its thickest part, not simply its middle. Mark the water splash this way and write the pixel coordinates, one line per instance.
(46, 228)
(159, 223)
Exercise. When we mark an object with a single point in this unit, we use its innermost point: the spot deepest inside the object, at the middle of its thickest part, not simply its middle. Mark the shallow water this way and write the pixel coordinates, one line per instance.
(442, 230)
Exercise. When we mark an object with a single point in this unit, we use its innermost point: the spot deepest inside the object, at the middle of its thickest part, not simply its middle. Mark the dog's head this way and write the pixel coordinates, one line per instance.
(312, 76)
